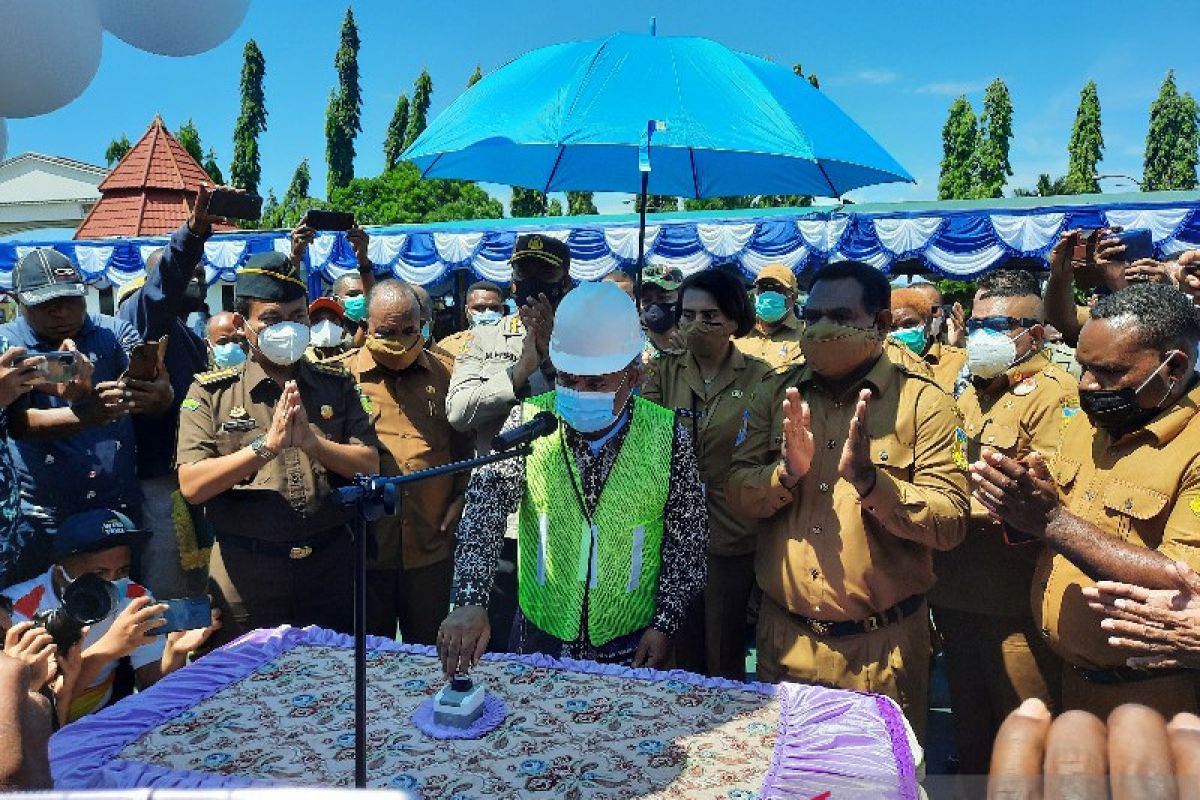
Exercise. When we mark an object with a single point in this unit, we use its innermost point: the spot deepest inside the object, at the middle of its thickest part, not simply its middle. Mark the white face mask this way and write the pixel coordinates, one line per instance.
(489, 317)
(283, 343)
(327, 333)
(990, 352)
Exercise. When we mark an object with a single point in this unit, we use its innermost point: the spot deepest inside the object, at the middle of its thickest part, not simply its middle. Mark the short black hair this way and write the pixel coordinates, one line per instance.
(342, 281)
(729, 293)
(876, 291)
(484, 286)
(1009, 283)
(1165, 316)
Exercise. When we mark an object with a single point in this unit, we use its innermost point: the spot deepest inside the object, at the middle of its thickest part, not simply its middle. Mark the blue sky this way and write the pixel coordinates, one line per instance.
(893, 67)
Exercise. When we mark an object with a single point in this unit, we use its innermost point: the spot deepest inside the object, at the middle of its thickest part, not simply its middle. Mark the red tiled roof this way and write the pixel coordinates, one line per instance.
(148, 192)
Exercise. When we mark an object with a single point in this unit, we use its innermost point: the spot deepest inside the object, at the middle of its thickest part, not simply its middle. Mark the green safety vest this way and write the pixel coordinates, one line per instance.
(613, 562)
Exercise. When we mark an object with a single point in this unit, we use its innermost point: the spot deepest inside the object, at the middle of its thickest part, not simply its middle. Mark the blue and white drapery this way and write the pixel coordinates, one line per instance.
(948, 239)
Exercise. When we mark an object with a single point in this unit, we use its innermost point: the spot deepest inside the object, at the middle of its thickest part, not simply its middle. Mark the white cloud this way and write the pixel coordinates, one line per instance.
(951, 88)
(876, 76)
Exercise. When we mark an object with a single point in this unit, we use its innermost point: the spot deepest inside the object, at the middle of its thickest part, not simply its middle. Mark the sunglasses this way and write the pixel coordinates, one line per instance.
(1000, 323)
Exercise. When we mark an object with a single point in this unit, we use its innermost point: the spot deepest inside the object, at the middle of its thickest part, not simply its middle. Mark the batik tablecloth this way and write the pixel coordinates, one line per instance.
(276, 708)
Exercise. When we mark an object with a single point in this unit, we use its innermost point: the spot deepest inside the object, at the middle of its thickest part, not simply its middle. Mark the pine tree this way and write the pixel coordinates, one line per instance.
(476, 76)
(393, 145)
(991, 168)
(581, 204)
(1087, 144)
(214, 171)
(117, 149)
(189, 137)
(418, 110)
(958, 151)
(527, 203)
(245, 171)
(1172, 142)
(343, 117)
(299, 186)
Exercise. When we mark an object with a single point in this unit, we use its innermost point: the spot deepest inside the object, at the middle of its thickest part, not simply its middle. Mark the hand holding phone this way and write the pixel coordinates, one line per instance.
(233, 204)
(322, 220)
(185, 614)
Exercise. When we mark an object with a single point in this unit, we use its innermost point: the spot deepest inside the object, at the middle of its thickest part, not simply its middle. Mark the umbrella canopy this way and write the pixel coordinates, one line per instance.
(574, 116)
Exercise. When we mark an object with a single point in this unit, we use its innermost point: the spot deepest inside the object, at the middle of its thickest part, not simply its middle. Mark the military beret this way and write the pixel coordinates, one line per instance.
(542, 248)
(270, 276)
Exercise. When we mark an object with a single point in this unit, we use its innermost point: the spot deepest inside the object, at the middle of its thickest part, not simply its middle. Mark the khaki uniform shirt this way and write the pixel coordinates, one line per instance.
(946, 363)
(985, 574)
(779, 348)
(455, 343)
(1144, 489)
(288, 499)
(712, 412)
(408, 411)
(825, 553)
(312, 353)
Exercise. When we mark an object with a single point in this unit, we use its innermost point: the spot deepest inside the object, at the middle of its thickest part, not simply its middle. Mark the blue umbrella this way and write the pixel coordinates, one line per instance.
(677, 116)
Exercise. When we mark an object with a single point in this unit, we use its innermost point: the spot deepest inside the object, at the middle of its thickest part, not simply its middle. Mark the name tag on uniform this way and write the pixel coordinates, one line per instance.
(238, 420)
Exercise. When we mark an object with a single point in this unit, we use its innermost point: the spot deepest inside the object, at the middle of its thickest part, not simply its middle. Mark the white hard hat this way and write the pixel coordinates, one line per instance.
(596, 330)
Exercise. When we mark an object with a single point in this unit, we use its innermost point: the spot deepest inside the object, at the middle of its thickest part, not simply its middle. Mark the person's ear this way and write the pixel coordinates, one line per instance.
(239, 321)
(1178, 367)
(1037, 336)
(883, 321)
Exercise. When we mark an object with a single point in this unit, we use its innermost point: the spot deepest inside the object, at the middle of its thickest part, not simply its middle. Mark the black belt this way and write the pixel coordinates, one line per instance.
(1119, 675)
(293, 550)
(889, 616)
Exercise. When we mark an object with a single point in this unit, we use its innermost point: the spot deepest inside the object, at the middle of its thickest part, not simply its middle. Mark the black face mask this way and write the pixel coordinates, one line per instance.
(1118, 409)
(526, 291)
(193, 298)
(659, 317)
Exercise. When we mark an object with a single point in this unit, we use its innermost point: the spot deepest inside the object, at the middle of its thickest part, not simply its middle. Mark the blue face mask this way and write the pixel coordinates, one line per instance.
(770, 306)
(914, 338)
(356, 307)
(426, 330)
(228, 355)
(489, 317)
(586, 412)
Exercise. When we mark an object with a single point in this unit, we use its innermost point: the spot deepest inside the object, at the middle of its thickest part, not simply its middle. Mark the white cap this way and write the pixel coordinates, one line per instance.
(596, 330)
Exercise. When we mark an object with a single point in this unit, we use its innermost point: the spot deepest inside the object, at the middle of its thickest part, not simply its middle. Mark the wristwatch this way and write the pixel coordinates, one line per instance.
(259, 446)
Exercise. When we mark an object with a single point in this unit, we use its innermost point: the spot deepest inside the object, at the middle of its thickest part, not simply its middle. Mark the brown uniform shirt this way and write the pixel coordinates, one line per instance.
(778, 349)
(825, 553)
(985, 574)
(408, 410)
(713, 414)
(288, 499)
(1143, 488)
(945, 362)
(454, 344)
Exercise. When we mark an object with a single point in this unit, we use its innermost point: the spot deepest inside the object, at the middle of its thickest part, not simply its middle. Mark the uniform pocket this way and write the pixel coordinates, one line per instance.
(998, 437)
(892, 455)
(1126, 503)
(1064, 471)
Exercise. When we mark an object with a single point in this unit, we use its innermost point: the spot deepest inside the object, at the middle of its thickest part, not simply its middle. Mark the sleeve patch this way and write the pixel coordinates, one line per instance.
(959, 450)
(190, 404)
(741, 434)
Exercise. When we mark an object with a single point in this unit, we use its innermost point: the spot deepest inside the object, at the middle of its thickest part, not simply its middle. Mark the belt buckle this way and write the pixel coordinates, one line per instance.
(297, 553)
(820, 627)
(871, 623)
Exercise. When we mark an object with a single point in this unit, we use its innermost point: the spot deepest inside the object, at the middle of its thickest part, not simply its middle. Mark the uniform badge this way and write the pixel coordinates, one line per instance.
(1069, 411)
(741, 434)
(237, 412)
(736, 393)
(1025, 387)
(326, 412)
(430, 390)
(190, 404)
(364, 400)
(959, 449)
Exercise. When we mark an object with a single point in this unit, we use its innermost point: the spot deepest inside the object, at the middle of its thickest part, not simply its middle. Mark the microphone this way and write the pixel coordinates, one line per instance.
(541, 425)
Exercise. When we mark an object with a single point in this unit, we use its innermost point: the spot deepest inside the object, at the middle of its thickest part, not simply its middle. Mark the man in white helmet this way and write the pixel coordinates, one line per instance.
(613, 525)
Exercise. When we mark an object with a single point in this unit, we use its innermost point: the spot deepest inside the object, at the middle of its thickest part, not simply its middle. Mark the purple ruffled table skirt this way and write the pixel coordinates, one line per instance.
(275, 709)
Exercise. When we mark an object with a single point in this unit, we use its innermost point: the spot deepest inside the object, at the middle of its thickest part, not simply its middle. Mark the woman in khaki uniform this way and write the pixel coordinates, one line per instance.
(707, 385)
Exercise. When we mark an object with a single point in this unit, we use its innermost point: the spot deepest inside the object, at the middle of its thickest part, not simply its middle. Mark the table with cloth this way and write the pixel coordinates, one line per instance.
(276, 708)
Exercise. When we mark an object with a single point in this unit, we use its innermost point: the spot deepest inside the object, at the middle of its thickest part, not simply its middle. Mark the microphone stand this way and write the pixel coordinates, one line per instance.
(373, 496)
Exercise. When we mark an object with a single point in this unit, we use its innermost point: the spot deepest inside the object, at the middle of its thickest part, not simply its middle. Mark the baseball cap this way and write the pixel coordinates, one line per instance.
(92, 531)
(45, 274)
(327, 304)
(778, 273)
(661, 275)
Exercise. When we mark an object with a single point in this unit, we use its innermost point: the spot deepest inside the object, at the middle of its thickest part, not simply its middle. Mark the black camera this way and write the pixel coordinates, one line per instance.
(85, 601)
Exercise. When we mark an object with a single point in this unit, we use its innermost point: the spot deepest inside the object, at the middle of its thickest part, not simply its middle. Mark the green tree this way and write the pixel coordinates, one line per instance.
(991, 166)
(1046, 187)
(343, 117)
(729, 203)
(210, 166)
(656, 203)
(783, 201)
(527, 203)
(418, 110)
(476, 76)
(296, 201)
(581, 204)
(1172, 142)
(189, 138)
(270, 211)
(401, 196)
(1087, 144)
(117, 149)
(245, 171)
(393, 145)
(812, 79)
(958, 150)
(554, 208)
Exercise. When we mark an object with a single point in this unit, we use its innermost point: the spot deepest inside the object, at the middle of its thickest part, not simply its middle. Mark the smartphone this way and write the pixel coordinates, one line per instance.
(59, 367)
(185, 614)
(234, 205)
(1139, 243)
(143, 360)
(1086, 247)
(321, 220)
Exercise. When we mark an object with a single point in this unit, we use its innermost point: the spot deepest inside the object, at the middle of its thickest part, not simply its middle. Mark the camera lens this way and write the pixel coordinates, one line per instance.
(89, 599)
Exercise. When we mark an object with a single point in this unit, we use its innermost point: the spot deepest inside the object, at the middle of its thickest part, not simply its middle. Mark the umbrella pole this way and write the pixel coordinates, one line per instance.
(641, 260)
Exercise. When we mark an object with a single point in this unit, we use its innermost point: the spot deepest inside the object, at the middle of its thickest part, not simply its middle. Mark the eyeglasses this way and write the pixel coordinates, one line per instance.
(1000, 323)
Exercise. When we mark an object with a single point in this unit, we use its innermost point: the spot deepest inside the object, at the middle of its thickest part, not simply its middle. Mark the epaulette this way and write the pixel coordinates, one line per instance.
(327, 368)
(914, 371)
(217, 376)
(512, 325)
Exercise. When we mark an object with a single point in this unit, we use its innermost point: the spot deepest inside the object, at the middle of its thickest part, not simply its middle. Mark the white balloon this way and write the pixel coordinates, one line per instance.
(49, 53)
(3, 138)
(172, 27)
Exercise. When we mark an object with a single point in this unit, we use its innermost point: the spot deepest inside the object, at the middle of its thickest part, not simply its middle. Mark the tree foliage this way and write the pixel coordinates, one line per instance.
(656, 203)
(476, 76)
(189, 138)
(527, 203)
(991, 166)
(296, 201)
(1087, 144)
(343, 117)
(1172, 142)
(245, 171)
(956, 181)
(117, 149)
(1046, 187)
(401, 196)
(393, 144)
(554, 208)
(418, 110)
(210, 167)
(581, 204)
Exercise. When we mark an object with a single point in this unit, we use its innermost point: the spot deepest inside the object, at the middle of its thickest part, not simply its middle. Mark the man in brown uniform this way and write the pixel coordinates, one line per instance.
(403, 390)
(1121, 499)
(484, 306)
(776, 335)
(261, 446)
(1016, 402)
(856, 486)
(912, 326)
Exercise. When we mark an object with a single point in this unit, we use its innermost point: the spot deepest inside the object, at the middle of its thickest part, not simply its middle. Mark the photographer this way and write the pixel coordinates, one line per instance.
(100, 543)
(49, 673)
